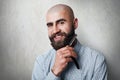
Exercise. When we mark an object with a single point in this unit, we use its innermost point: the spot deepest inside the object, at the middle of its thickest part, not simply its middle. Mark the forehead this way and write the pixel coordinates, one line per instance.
(56, 15)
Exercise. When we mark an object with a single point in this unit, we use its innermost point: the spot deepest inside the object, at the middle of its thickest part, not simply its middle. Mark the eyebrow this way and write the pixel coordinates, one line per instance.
(60, 20)
(51, 23)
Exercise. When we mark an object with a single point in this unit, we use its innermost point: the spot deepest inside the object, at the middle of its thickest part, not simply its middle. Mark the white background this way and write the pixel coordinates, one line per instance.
(23, 33)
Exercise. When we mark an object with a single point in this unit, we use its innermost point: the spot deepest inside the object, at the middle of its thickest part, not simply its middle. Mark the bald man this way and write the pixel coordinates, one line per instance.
(68, 59)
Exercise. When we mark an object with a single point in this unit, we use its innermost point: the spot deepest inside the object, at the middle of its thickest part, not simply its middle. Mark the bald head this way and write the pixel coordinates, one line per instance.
(61, 25)
(62, 7)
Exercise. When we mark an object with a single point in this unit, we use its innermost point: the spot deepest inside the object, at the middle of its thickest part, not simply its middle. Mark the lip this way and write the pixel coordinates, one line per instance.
(58, 38)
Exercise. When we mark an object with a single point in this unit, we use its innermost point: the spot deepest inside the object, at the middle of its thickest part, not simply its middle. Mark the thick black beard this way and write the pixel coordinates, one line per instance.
(65, 42)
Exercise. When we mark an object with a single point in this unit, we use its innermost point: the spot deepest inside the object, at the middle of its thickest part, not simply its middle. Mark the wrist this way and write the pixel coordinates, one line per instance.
(55, 72)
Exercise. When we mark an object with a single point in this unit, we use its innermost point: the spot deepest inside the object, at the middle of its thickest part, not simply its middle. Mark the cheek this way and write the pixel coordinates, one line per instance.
(66, 29)
(49, 32)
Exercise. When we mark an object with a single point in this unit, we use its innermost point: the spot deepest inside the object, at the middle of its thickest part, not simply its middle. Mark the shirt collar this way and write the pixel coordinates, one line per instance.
(77, 47)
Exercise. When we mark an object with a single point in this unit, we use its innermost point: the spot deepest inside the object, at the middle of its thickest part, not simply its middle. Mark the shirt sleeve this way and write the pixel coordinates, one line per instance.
(39, 72)
(100, 72)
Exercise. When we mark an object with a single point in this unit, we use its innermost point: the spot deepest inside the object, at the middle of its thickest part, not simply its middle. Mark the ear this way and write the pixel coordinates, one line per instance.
(75, 23)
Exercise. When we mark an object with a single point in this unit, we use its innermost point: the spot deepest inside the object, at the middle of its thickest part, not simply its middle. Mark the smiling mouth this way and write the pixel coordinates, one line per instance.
(58, 38)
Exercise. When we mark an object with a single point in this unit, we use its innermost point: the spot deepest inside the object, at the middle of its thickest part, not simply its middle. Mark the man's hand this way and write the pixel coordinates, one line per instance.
(63, 56)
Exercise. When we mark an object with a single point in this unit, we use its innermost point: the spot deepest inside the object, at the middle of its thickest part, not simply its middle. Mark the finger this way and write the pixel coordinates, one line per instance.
(66, 60)
(69, 53)
(60, 53)
(70, 48)
(67, 50)
(74, 54)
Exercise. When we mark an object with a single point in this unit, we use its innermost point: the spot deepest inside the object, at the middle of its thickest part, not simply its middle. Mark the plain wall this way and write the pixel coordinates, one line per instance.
(23, 33)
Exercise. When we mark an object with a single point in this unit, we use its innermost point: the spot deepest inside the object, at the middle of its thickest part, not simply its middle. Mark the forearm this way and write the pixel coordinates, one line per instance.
(50, 76)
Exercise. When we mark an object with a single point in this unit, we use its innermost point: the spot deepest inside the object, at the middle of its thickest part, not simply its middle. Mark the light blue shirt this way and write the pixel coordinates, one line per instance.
(92, 66)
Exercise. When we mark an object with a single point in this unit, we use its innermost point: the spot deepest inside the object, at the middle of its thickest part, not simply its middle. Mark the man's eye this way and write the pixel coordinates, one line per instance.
(61, 22)
(49, 25)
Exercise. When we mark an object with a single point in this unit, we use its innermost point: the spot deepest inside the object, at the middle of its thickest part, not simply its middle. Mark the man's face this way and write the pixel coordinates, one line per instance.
(60, 28)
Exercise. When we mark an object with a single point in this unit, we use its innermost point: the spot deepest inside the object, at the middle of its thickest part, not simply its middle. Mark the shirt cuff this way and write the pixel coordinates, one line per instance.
(51, 76)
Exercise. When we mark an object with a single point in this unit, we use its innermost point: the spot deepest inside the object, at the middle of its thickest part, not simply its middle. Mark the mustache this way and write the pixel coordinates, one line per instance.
(58, 34)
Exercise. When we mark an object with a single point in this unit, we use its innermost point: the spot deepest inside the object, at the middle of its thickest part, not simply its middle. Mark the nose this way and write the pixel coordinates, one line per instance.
(55, 29)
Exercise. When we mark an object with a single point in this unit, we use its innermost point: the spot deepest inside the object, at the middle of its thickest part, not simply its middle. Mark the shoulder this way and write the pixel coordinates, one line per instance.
(92, 58)
(92, 55)
(91, 52)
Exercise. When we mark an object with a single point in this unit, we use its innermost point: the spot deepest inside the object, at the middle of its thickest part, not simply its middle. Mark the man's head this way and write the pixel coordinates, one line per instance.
(61, 25)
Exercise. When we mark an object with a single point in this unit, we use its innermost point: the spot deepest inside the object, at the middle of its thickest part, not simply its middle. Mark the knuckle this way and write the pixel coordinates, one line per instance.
(64, 48)
(69, 52)
(60, 56)
(58, 52)
(63, 60)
